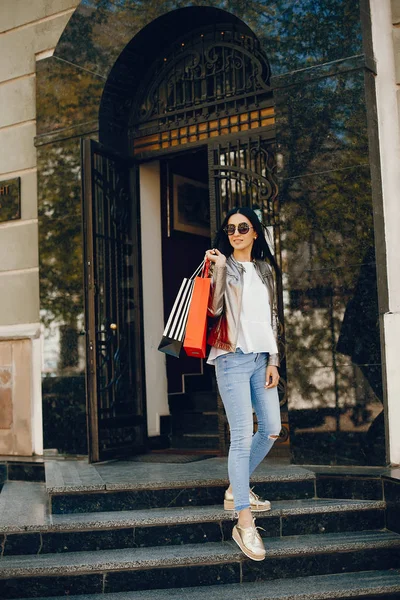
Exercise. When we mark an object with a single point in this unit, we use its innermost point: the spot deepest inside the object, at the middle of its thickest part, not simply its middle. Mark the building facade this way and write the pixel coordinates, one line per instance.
(127, 131)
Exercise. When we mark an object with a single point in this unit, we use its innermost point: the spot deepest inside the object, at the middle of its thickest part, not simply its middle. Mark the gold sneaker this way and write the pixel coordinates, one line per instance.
(249, 541)
(256, 503)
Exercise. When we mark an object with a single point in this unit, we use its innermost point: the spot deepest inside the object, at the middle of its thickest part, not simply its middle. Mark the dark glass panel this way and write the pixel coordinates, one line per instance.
(336, 323)
(60, 238)
(66, 95)
(64, 413)
(61, 296)
(322, 125)
(295, 33)
(334, 366)
(331, 318)
(326, 222)
(304, 33)
(335, 417)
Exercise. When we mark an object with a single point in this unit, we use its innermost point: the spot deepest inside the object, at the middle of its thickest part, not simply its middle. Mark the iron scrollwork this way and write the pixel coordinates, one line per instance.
(244, 172)
(208, 73)
(113, 286)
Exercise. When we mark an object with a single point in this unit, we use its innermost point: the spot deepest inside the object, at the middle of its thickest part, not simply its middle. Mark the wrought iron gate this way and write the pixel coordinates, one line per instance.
(243, 173)
(115, 389)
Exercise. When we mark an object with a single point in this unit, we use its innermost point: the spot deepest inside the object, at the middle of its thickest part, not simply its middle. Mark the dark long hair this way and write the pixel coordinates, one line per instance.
(260, 250)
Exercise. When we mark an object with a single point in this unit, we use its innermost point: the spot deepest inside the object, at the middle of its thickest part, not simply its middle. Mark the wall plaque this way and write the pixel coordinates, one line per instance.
(10, 199)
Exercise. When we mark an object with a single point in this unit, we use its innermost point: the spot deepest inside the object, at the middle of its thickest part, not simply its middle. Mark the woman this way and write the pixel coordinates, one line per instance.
(244, 351)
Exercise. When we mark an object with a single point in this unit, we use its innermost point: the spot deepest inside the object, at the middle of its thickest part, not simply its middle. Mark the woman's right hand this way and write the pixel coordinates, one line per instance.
(216, 257)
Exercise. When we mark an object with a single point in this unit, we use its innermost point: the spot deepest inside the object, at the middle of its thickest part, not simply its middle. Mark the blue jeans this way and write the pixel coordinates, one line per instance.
(241, 381)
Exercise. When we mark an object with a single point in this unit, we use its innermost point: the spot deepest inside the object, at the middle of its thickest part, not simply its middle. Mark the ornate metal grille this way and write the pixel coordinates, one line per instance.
(209, 73)
(114, 355)
(244, 172)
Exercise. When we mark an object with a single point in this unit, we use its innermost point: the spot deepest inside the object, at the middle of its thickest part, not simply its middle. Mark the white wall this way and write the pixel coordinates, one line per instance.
(153, 311)
(387, 54)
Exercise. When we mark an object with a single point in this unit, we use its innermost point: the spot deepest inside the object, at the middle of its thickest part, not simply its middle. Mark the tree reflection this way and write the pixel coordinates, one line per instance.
(327, 225)
(295, 33)
(60, 243)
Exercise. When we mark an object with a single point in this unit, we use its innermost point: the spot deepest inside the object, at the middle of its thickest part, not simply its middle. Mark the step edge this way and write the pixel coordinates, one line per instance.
(188, 515)
(178, 484)
(257, 594)
(224, 552)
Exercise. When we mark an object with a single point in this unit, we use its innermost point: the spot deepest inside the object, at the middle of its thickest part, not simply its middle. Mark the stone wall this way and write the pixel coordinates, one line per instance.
(15, 397)
(29, 31)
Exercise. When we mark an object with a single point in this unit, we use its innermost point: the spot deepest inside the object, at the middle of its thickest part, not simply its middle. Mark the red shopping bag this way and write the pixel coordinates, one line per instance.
(196, 328)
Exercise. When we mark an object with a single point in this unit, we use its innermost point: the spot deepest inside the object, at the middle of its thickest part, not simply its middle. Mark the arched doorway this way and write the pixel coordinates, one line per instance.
(203, 119)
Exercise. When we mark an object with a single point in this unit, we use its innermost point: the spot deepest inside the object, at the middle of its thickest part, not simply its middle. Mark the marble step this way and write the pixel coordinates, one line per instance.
(107, 571)
(24, 534)
(77, 487)
(368, 585)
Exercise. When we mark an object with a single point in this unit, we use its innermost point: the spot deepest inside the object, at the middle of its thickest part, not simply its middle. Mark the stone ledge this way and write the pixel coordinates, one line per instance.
(392, 475)
(20, 331)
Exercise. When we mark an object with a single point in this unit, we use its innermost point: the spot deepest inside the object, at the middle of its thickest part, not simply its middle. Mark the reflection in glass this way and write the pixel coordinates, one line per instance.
(60, 243)
(331, 319)
(67, 96)
(61, 297)
(295, 33)
(360, 339)
(329, 272)
(322, 125)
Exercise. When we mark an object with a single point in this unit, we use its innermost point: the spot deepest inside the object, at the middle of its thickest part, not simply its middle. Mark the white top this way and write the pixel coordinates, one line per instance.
(255, 329)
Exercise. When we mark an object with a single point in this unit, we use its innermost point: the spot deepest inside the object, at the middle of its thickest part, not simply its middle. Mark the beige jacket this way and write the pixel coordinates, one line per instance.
(226, 300)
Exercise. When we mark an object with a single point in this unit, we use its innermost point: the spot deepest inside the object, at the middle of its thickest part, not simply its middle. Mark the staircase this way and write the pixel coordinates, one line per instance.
(130, 531)
(194, 414)
(197, 420)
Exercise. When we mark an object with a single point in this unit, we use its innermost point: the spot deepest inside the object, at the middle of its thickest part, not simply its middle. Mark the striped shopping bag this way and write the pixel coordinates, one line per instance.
(196, 328)
(174, 332)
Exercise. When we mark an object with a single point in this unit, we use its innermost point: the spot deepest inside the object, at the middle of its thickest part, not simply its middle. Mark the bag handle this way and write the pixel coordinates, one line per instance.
(198, 270)
(206, 269)
(203, 270)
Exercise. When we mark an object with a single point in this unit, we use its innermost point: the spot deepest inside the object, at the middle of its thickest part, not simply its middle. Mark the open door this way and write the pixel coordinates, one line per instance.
(116, 406)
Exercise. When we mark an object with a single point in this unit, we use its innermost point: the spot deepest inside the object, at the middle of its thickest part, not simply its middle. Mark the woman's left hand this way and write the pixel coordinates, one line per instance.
(271, 377)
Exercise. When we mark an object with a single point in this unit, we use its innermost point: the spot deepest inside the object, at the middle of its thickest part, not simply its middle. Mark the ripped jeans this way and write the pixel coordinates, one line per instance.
(241, 380)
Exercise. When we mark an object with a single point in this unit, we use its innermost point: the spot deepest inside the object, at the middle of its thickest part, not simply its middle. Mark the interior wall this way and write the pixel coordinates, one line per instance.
(153, 313)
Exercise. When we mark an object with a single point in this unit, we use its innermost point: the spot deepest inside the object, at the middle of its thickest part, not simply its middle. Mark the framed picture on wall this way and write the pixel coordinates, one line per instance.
(191, 206)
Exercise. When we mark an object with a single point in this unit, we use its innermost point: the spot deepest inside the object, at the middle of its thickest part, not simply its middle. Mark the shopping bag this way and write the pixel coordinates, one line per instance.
(196, 328)
(174, 332)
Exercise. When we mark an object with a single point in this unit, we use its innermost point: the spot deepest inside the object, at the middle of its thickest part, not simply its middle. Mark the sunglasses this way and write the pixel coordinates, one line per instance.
(242, 229)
